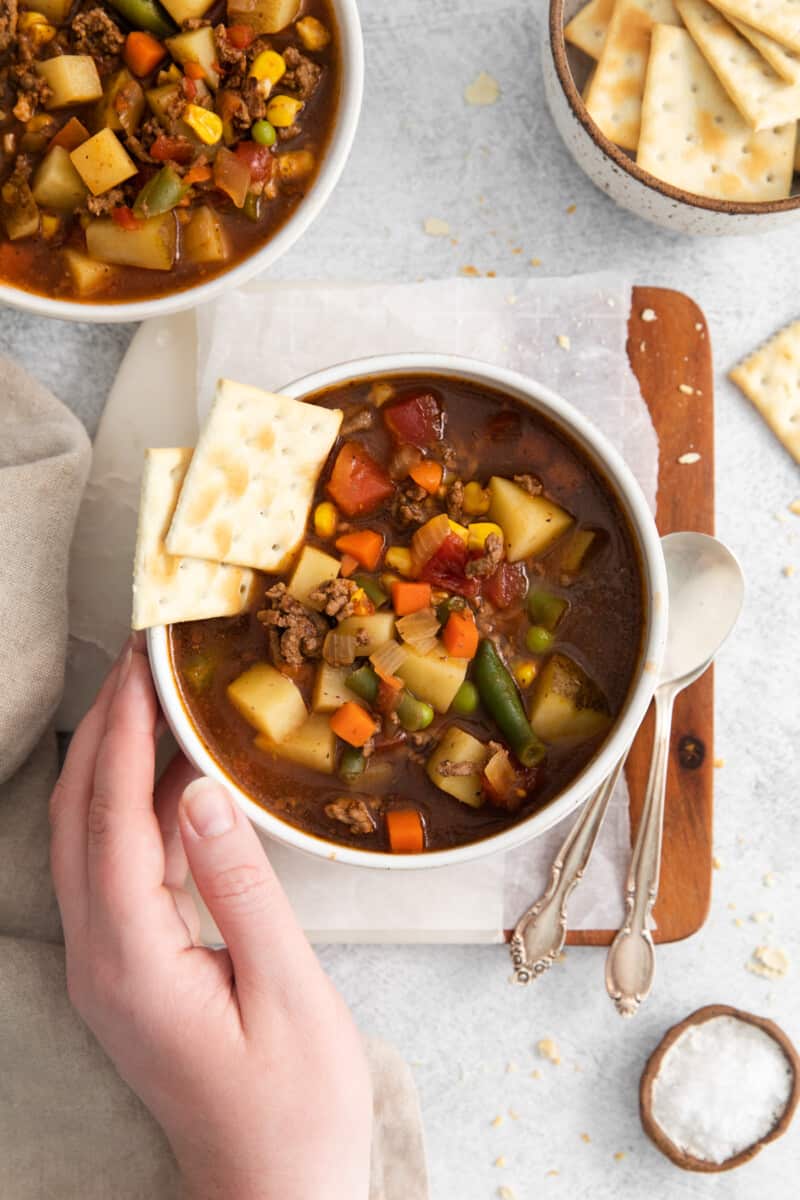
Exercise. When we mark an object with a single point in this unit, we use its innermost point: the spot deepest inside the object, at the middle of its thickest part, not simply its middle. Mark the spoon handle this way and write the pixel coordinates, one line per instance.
(541, 931)
(631, 964)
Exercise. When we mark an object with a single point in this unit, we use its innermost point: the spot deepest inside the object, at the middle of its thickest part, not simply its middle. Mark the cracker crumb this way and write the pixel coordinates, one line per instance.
(505, 1193)
(788, 571)
(585, 1138)
(738, 922)
(698, 326)
(547, 1048)
(511, 1068)
(770, 962)
(648, 315)
(686, 460)
(536, 1074)
(618, 1157)
(642, 346)
(761, 918)
(537, 262)
(500, 1161)
(483, 90)
(471, 271)
(511, 299)
(512, 1112)
(794, 507)
(719, 762)
(436, 227)
(453, 241)
(686, 389)
(516, 249)
(563, 341)
(498, 1121)
(716, 863)
(491, 274)
(570, 209)
(551, 1174)
(731, 906)
(769, 879)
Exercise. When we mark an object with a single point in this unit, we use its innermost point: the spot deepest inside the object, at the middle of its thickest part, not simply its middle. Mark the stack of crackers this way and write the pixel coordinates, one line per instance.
(704, 93)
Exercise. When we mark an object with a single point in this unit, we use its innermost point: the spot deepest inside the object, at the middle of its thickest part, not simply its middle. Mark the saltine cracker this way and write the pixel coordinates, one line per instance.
(780, 19)
(588, 28)
(770, 378)
(783, 60)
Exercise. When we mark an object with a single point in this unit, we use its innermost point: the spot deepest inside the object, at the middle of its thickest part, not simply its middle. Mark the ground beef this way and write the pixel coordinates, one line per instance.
(486, 565)
(32, 91)
(351, 812)
(455, 500)
(101, 206)
(295, 632)
(409, 504)
(422, 739)
(95, 33)
(529, 483)
(334, 598)
(448, 767)
(255, 98)
(358, 419)
(175, 105)
(232, 60)
(302, 75)
(285, 134)
(8, 23)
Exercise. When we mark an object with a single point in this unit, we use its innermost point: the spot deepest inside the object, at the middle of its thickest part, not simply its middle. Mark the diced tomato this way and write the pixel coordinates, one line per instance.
(257, 159)
(172, 149)
(189, 88)
(239, 36)
(358, 484)
(123, 216)
(388, 697)
(508, 585)
(415, 417)
(448, 568)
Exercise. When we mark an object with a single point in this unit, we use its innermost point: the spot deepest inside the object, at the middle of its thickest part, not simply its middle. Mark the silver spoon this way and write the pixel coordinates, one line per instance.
(541, 931)
(706, 591)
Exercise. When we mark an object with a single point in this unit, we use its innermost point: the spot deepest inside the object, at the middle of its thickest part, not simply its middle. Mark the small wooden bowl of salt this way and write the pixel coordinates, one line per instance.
(718, 1087)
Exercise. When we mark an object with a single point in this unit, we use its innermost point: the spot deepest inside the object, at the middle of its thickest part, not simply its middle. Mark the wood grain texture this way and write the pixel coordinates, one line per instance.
(668, 353)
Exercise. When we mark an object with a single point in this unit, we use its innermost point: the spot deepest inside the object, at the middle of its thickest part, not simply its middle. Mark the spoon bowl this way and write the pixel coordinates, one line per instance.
(706, 592)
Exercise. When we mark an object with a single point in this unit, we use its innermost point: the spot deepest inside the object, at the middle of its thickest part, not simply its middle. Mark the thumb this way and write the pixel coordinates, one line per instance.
(233, 875)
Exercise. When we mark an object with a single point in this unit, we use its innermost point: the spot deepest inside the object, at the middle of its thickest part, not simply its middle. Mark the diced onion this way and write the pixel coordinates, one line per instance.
(428, 538)
(387, 658)
(339, 649)
(419, 629)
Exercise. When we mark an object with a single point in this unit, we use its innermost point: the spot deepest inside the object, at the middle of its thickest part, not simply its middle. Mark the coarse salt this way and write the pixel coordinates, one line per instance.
(709, 1063)
(649, 315)
(686, 460)
(563, 341)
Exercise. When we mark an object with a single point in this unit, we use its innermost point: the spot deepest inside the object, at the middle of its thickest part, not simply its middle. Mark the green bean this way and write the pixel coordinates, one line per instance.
(364, 682)
(160, 194)
(413, 714)
(451, 604)
(465, 701)
(499, 694)
(252, 207)
(546, 609)
(145, 14)
(372, 588)
(351, 763)
(538, 639)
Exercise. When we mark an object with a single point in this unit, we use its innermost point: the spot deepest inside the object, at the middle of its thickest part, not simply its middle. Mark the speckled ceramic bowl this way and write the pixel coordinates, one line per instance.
(616, 173)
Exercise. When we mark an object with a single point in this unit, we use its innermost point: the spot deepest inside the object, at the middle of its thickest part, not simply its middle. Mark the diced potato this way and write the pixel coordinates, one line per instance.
(313, 568)
(530, 523)
(434, 677)
(56, 183)
(567, 704)
(296, 164)
(103, 162)
(123, 103)
(88, 276)
(576, 551)
(20, 214)
(264, 16)
(330, 689)
(313, 34)
(72, 78)
(204, 238)
(459, 746)
(270, 701)
(56, 11)
(186, 10)
(312, 745)
(197, 46)
(378, 627)
(152, 246)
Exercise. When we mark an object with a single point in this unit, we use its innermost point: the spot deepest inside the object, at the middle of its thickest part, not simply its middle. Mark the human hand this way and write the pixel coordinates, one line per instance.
(247, 1057)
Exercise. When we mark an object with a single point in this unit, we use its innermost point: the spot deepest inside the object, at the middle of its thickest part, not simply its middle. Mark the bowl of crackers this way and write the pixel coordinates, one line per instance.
(684, 111)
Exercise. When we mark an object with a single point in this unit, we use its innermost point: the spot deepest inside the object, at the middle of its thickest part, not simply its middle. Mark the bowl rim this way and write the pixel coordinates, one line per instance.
(558, 50)
(333, 163)
(627, 493)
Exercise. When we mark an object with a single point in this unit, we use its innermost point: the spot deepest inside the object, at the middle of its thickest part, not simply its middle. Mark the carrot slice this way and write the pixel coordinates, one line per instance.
(198, 174)
(352, 724)
(194, 70)
(349, 565)
(410, 597)
(428, 475)
(142, 52)
(365, 546)
(460, 635)
(406, 832)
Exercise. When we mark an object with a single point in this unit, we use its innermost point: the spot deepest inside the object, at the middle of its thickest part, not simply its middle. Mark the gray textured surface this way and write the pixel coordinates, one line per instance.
(502, 180)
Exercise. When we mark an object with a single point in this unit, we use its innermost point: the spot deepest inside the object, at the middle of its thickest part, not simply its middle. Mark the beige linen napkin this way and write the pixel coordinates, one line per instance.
(69, 1126)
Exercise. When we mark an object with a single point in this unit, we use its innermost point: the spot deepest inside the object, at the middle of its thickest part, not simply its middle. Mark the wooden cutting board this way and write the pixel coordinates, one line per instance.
(669, 356)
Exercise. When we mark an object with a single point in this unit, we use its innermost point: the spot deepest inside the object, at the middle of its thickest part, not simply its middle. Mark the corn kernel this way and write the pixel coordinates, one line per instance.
(326, 518)
(312, 33)
(50, 225)
(37, 26)
(476, 500)
(399, 559)
(362, 605)
(268, 65)
(525, 673)
(296, 164)
(478, 533)
(207, 125)
(459, 530)
(282, 111)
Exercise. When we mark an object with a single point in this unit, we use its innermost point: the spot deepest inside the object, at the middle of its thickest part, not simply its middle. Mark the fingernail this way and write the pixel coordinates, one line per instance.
(208, 808)
(125, 659)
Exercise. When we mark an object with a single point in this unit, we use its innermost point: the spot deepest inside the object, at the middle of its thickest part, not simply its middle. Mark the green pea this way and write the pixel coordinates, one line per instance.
(538, 639)
(263, 133)
(413, 714)
(465, 700)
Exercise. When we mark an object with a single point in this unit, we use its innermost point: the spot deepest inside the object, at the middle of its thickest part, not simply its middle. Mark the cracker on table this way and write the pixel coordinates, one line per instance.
(783, 60)
(614, 100)
(166, 587)
(770, 378)
(780, 19)
(251, 480)
(588, 28)
(761, 95)
(694, 137)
